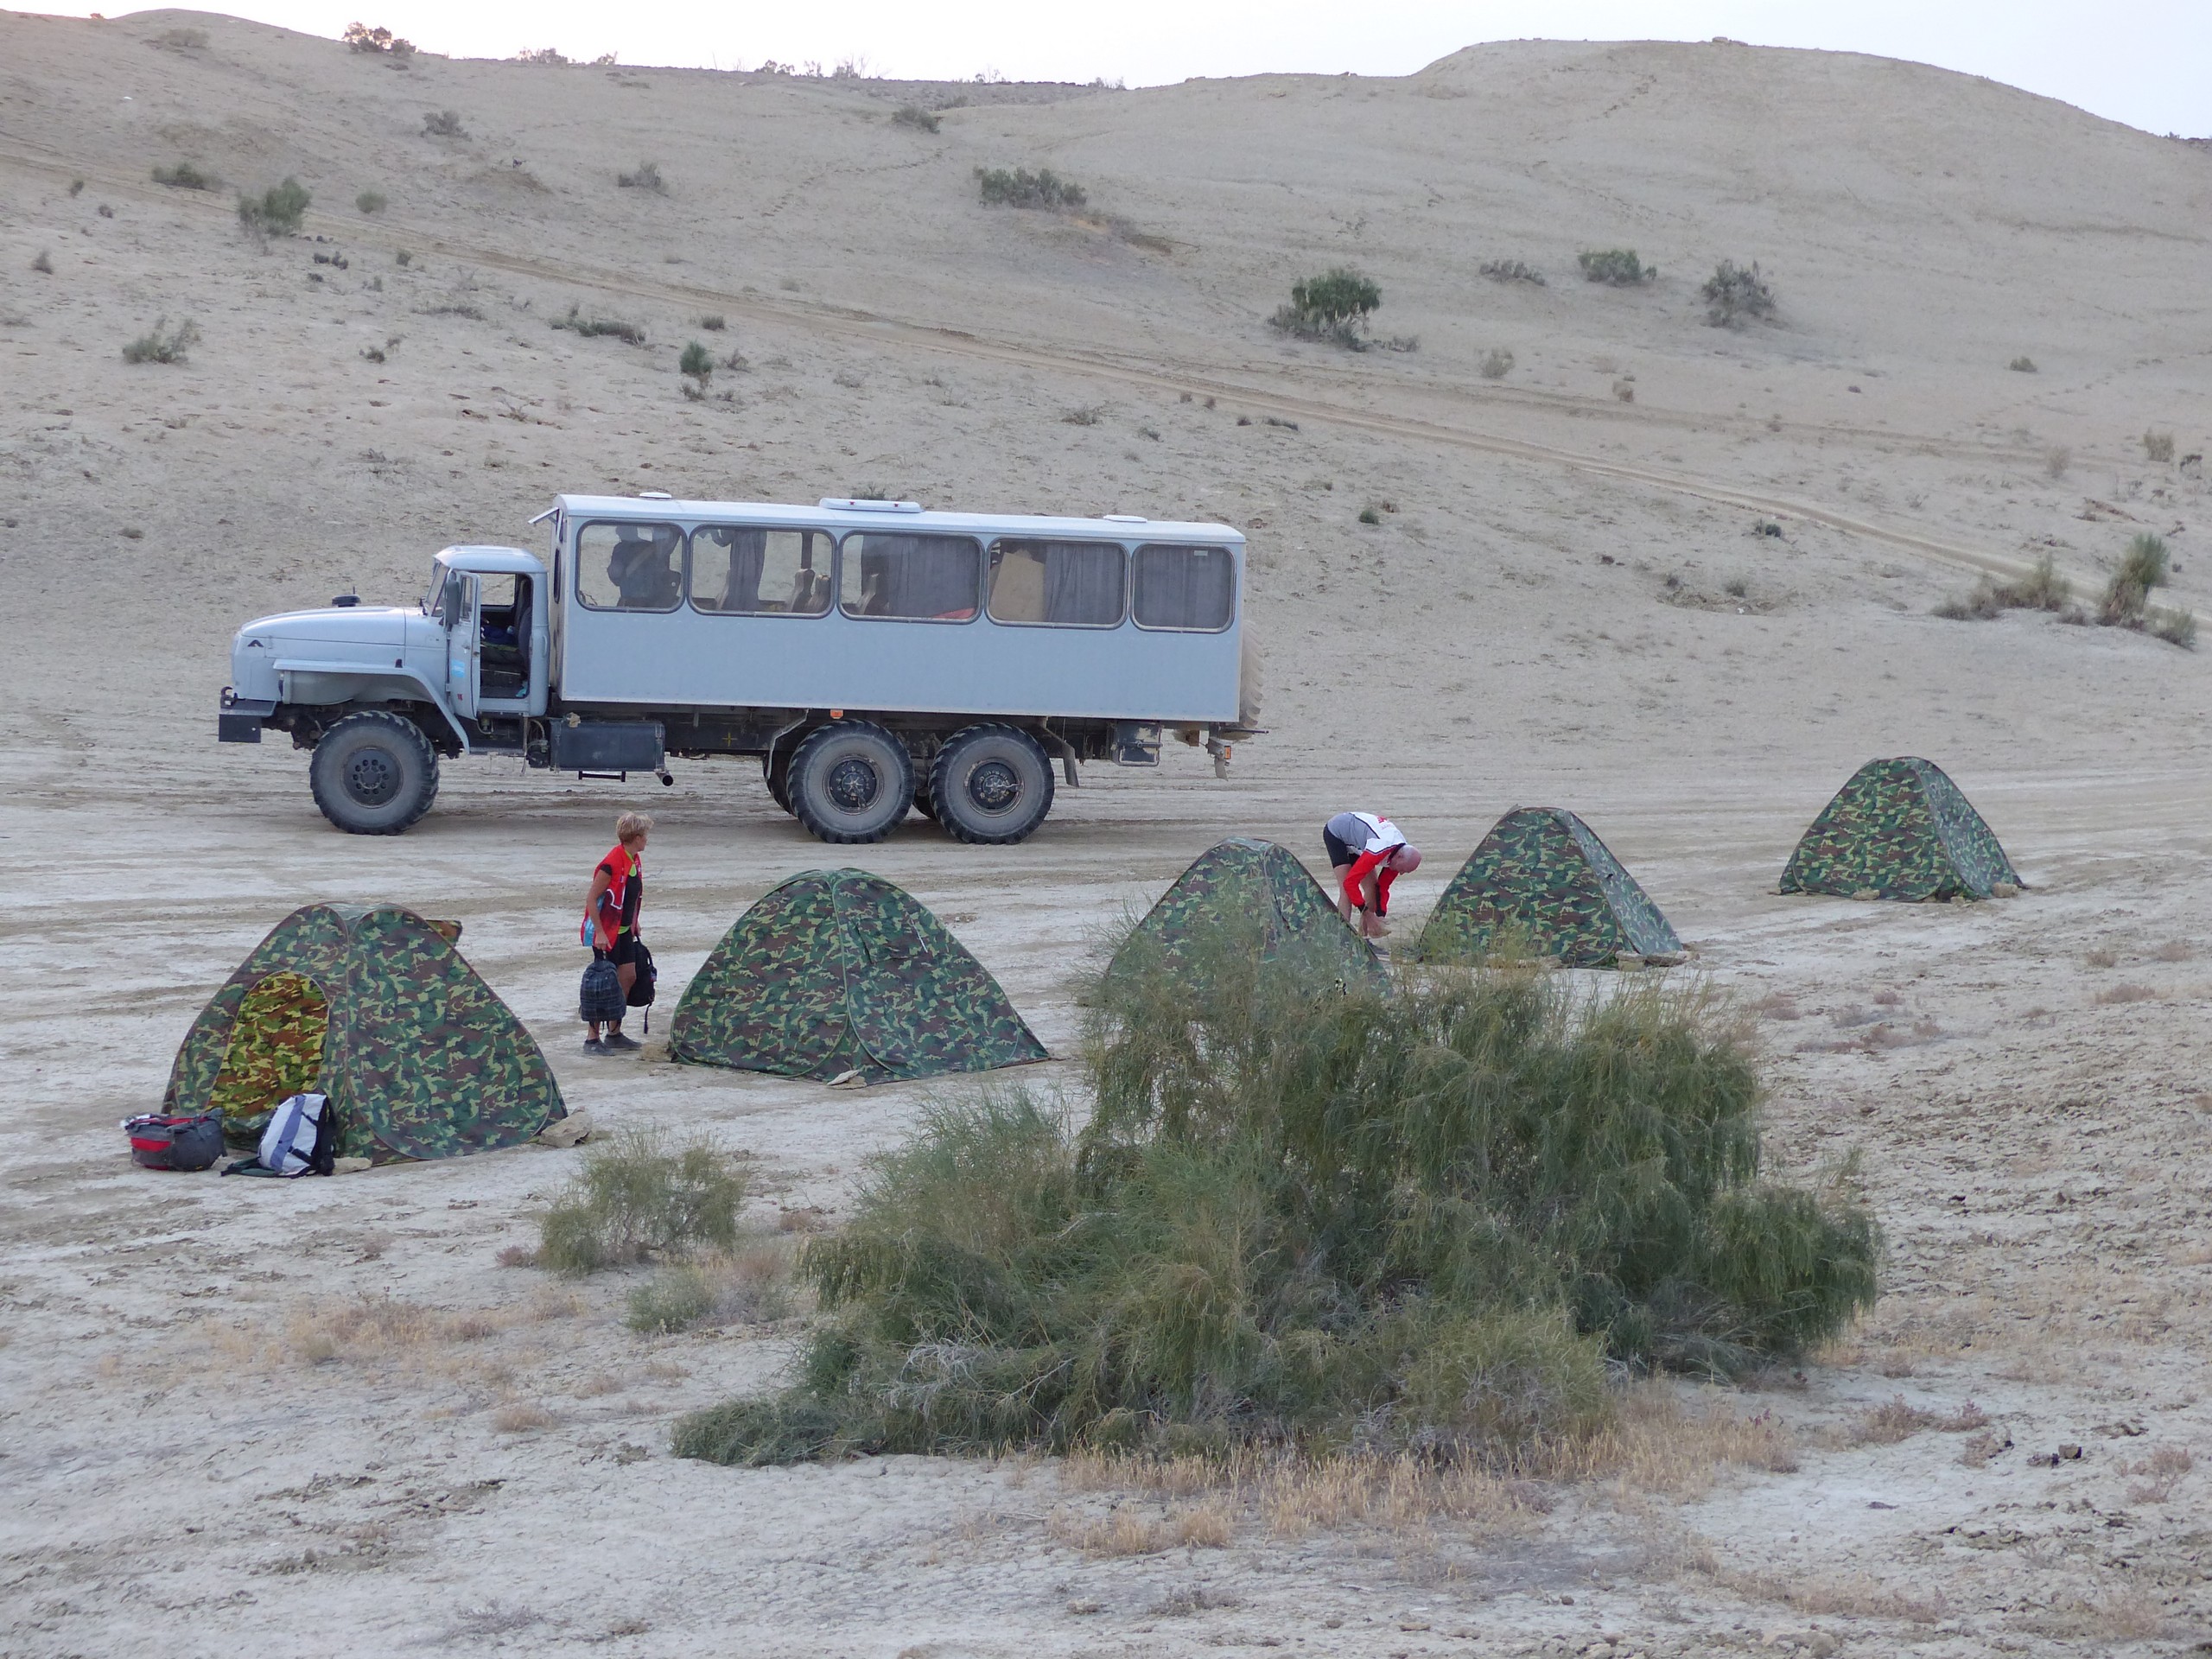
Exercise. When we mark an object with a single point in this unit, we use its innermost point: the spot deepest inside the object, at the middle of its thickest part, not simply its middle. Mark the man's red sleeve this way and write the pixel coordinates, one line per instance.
(1383, 889)
(1355, 874)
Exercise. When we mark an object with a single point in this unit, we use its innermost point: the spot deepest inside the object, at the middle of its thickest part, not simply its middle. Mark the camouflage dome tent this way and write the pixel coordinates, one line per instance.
(1542, 873)
(1899, 830)
(1243, 883)
(835, 971)
(374, 1007)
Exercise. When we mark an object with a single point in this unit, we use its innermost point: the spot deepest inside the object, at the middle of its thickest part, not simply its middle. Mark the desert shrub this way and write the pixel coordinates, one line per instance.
(443, 123)
(576, 322)
(277, 211)
(1734, 293)
(547, 55)
(1021, 188)
(697, 364)
(2141, 568)
(1087, 415)
(2022, 365)
(2175, 627)
(182, 40)
(185, 176)
(647, 177)
(162, 343)
(1497, 365)
(359, 37)
(2158, 447)
(1423, 1217)
(644, 1194)
(2042, 589)
(1370, 516)
(714, 322)
(914, 115)
(1334, 306)
(1511, 270)
(403, 258)
(42, 263)
(371, 202)
(672, 1299)
(1617, 267)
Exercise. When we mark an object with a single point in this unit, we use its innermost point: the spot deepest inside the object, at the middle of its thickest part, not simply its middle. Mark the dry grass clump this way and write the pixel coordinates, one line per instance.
(443, 123)
(2022, 365)
(1127, 1531)
(2158, 447)
(1510, 270)
(1498, 362)
(2042, 589)
(377, 1327)
(592, 327)
(647, 177)
(42, 261)
(914, 115)
(371, 202)
(2159, 1473)
(2124, 993)
(643, 1195)
(162, 343)
(1418, 1218)
(750, 1285)
(185, 176)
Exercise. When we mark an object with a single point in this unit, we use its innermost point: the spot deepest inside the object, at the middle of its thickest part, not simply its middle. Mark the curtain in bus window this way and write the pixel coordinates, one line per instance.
(1068, 584)
(725, 566)
(923, 577)
(1185, 587)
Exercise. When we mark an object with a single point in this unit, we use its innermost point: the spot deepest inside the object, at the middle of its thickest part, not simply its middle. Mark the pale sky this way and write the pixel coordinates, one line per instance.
(2145, 62)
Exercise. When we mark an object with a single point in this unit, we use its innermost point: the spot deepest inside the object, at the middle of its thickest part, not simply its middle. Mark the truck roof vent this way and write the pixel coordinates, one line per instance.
(1124, 518)
(849, 504)
(655, 495)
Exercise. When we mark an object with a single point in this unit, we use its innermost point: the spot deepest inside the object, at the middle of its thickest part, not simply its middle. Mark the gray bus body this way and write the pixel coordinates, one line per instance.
(871, 655)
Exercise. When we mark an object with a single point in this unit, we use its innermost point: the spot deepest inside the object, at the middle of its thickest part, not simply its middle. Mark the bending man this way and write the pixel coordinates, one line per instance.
(1368, 853)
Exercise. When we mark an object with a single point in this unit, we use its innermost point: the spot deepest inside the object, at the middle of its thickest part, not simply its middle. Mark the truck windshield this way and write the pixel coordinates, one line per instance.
(430, 593)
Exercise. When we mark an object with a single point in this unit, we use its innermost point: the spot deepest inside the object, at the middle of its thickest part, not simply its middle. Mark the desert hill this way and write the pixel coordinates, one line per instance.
(1575, 547)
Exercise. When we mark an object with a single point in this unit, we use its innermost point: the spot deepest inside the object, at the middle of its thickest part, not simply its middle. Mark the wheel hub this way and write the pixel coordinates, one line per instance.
(993, 787)
(853, 784)
(372, 776)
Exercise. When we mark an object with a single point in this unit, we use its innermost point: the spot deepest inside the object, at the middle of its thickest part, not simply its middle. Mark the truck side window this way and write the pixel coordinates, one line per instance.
(1193, 588)
(1058, 584)
(914, 578)
(503, 624)
(629, 567)
(747, 571)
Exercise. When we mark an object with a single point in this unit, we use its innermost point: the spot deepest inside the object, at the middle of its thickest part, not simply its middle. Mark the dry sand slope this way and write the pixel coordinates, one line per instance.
(1566, 600)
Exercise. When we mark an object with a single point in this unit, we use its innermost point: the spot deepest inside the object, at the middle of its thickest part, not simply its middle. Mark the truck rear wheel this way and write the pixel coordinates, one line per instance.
(991, 786)
(851, 781)
(374, 773)
(777, 774)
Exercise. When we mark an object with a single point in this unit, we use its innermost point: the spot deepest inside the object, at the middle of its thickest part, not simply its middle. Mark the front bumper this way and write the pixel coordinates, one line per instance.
(239, 720)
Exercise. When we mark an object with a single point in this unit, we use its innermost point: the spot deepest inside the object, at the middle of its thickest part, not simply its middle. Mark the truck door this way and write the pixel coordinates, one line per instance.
(458, 612)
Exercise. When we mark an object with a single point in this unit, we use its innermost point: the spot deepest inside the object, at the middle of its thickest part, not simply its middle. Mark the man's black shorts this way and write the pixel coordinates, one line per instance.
(625, 951)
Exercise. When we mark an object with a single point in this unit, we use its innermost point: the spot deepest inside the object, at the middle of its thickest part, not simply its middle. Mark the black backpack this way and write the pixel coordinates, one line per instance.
(641, 987)
(159, 1141)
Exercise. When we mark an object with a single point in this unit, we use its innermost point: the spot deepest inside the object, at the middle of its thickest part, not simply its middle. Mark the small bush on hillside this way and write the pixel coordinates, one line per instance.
(714, 322)
(1497, 365)
(1617, 267)
(359, 37)
(590, 327)
(1334, 306)
(2022, 365)
(1735, 293)
(1422, 1219)
(672, 1299)
(541, 54)
(42, 263)
(443, 123)
(647, 177)
(278, 210)
(371, 202)
(185, 176)
(182, 40)
(997, 188)
(2175, 627)
(2142, 566)
(643, 1195)
(2158, 447)
(914, 115)
(163, 344)
(697, 364)
(1511, 270)
(2042, 589)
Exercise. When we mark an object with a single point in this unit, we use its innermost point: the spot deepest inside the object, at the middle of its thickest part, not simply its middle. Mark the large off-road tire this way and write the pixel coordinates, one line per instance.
(923, 803)
(851, 781)
(777, 775)
(991, 786)
(374, 773)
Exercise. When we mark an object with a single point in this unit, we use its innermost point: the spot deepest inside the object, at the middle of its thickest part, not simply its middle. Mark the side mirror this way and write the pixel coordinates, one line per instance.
(449, 603)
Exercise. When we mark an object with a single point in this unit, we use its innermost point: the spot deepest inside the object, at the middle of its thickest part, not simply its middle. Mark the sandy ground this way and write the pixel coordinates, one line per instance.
(202, 1457)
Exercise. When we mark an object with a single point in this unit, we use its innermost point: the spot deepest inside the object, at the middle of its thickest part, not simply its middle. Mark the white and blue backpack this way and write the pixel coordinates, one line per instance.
(301, 1139)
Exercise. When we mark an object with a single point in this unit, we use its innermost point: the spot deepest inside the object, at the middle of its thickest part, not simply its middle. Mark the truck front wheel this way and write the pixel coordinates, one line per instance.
(374, 773)
(851, 781)
(991, 786)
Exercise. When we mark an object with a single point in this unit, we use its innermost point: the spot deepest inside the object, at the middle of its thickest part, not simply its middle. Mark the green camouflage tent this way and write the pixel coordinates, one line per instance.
(836, 971)
(1899, 830)
(1244, 886)
(1541, 873)
(374, 1007)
